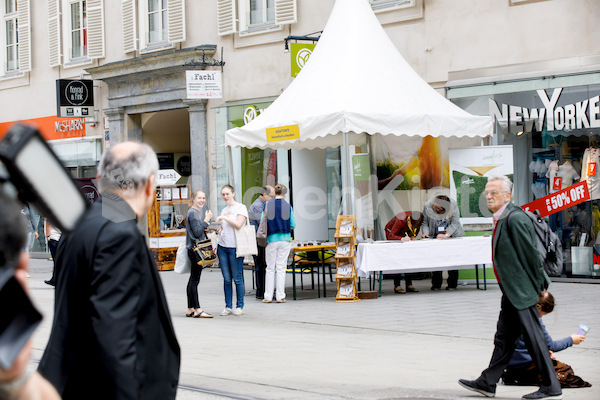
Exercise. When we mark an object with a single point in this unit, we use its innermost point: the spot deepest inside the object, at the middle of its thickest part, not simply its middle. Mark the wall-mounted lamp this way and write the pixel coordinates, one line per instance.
(309, 38)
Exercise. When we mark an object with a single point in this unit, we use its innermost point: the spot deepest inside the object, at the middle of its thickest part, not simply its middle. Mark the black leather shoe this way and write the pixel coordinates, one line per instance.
(50, 282)
(472, 385)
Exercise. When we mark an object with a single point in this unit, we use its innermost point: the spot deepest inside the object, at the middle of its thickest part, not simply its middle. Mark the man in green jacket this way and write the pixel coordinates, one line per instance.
(521, 278)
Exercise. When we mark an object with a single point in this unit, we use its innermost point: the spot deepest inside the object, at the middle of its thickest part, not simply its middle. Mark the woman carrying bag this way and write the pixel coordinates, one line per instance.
(195, 230)
(233, 217)
(280, 222)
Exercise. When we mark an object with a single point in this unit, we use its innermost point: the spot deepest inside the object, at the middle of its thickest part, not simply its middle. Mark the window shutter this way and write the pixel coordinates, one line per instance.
(130, 40)
(176, 11)
(226, 17)
(24, 35)
(95, 26)
(285, 12)
(54, 33)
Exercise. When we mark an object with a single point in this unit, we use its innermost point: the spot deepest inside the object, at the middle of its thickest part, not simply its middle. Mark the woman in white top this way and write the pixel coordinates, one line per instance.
(232, 217)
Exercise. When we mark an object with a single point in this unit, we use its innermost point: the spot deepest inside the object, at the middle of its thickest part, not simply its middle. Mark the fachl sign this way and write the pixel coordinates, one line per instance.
(74, 98)
(561, 200)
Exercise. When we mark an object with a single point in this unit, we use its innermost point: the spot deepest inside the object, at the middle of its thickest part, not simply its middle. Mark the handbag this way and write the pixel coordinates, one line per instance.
(182, 260)
(245, 239)
(204, 252)
(262, 232)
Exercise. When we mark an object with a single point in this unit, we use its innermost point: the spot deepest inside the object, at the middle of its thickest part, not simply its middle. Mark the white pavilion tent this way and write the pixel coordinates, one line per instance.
(355, 84)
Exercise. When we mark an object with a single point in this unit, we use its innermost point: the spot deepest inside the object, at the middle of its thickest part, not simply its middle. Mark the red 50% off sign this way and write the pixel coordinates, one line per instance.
(558, 201)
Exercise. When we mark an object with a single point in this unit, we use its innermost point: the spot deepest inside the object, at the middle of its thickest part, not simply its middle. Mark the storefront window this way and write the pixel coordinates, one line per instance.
(555, 134)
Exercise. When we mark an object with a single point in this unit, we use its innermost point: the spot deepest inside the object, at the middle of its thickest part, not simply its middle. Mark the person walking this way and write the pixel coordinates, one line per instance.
(280, 222)
(53, 235)
(254, 216)
(232, 217)
(442, 221)
(197, 222)
(521, 278)
(112, 335)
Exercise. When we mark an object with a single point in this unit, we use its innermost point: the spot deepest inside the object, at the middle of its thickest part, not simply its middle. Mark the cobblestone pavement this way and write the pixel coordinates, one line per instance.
(414, 345)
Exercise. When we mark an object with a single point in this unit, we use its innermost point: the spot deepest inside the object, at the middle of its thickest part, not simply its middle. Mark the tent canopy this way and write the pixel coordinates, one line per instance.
(357, 82)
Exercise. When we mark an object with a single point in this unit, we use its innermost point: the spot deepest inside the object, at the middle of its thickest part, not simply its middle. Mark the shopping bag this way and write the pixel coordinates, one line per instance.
(205, 253)
(261, 233)
(245, 238)
(182, 261)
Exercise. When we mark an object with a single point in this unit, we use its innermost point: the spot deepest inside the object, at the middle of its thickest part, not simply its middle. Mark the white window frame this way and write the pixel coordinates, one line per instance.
(246, 27)
(81, 30)
(172, 24)
(21, 18)
(6, 18)
(163, 22)
(388, 5)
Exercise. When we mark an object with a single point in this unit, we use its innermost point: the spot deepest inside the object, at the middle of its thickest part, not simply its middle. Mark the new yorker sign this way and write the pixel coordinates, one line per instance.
(580, 115)
(74, 98)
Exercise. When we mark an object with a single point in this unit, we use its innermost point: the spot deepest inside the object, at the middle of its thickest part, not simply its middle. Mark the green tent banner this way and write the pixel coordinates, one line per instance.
(300, 53)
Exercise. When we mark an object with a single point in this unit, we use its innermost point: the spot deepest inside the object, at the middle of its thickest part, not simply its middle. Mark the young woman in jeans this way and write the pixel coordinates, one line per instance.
(232, 217)
(280, 222)
(195, 230)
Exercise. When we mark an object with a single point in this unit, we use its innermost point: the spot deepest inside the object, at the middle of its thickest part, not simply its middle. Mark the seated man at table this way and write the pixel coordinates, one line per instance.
(404, 226)
(441, 222)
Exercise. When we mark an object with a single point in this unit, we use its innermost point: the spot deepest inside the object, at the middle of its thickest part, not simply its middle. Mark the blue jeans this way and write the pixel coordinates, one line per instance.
(232, 268)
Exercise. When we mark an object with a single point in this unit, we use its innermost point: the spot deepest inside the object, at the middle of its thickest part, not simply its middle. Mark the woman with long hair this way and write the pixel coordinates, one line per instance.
(280, 222)
(195, 230)
(232, 217)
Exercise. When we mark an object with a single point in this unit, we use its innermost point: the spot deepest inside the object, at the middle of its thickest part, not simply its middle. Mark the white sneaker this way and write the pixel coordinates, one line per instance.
(225, 312)
(266, 301)
(237, 311)
(281, 301)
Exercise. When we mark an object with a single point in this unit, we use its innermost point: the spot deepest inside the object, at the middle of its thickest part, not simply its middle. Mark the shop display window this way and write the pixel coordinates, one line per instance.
(555, 134)
(559, 131)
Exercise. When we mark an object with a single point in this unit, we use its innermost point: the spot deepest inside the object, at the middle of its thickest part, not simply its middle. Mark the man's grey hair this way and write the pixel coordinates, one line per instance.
(127, 171)
(507, 184)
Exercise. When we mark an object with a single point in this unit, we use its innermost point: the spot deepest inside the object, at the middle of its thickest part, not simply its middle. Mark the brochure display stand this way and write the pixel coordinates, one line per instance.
(166, 223)
(345, 259)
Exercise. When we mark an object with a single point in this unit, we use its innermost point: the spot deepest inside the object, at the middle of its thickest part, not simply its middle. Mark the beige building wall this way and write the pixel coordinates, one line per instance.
(437, 38)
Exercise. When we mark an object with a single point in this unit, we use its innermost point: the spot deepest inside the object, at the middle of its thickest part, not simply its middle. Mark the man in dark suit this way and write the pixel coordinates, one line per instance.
(112, 336)
(521, 278)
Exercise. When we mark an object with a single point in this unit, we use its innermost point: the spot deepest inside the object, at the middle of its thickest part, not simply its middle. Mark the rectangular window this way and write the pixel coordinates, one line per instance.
(381, 4)
(11, 51)
(78, 30)
(261, 12)
(157, 21)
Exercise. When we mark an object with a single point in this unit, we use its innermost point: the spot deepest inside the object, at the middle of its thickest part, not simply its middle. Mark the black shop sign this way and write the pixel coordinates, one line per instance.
(74, 98)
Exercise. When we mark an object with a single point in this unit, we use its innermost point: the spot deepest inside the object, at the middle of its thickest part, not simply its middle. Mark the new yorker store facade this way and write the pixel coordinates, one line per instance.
(551, 117)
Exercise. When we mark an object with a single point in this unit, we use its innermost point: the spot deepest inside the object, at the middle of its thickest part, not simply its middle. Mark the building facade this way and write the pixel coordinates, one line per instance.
(490, 58)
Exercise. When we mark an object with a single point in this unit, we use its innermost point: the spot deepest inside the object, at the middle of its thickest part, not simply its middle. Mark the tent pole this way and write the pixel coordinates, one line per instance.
(371, 143)
(229, 160)
(346, 171)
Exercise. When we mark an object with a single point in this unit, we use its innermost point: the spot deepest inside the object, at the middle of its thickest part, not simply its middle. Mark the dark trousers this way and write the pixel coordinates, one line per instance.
(260, 266)
(436, 279)
(192, 286)
(511, 324)
(407, 278)
(52, 245)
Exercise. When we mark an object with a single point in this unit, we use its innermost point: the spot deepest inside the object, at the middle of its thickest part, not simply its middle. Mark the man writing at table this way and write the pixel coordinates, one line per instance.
(442, 221)
(521, 278)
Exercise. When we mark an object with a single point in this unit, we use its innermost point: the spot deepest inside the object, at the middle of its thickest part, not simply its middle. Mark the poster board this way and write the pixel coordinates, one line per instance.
(469, 169)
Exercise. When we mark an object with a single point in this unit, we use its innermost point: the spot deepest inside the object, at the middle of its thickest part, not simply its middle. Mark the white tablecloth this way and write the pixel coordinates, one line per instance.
(423, 255)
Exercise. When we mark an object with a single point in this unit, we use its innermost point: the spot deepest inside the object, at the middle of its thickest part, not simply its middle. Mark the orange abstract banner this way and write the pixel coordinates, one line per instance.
(51, 127)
